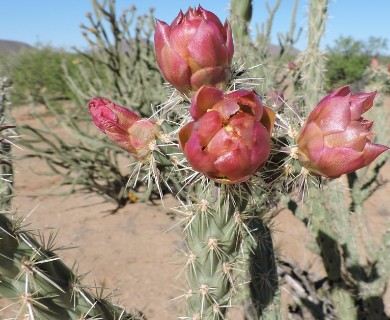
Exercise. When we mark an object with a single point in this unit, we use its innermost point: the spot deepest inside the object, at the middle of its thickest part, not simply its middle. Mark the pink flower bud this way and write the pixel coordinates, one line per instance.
(195, 50)
(124, 127)
(336, 139)
(229, 139)
(374, 63)
(292, 65)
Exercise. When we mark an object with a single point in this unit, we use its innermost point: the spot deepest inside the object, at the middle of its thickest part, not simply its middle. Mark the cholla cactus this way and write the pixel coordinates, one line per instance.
(218, 144)
(41, 286)
(35, 280)
(6, 133)
(232, 156)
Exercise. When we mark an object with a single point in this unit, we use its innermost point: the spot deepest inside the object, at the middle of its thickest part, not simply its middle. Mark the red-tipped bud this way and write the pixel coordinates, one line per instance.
(195, 50)
(374, 63)
(292, 65)
(336, 139)
(229, 139)
(124, 127)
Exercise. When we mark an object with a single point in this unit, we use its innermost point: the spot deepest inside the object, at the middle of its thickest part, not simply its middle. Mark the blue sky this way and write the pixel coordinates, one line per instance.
(57, 22)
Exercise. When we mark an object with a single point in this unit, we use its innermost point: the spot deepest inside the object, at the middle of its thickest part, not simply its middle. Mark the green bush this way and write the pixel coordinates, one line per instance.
(344, 70)
(38, 72)
(347, 60)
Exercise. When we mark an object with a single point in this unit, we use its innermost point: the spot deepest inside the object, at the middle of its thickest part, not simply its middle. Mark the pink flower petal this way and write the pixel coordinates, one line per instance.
(268, 119)
(226, 107)
(242, 125)
(110, 117)
(182, 34)
(203, 100)
(161, 36)
(223, 141)
(234, 165)
(332, 114)
(337, 161)
(126, 118)
(340, 92)
(248, 101)
(360, 103)
(261, 147)
(310, 144)
(211, 76)
(179, 18)
(210, 16)
(229, 42)
(185, 134)
(207, 126)
(174, 68)
(355, 136)
(122, 141)
(372, 151)
(199, 158)
(104, 118)
(207, 47)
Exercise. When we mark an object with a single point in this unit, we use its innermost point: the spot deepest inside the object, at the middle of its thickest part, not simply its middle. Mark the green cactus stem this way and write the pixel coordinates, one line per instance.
(33, 277)
(240, 18)
(6, 167)
(312, 60)
(225, 237)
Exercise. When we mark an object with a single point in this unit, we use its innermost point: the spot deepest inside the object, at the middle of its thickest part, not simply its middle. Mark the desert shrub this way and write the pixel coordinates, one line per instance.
(348, 59)
(344, 69)
(119, 64)
(38, 72)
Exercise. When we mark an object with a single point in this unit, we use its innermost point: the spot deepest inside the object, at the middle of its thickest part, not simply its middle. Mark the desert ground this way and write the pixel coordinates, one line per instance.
(135, 252)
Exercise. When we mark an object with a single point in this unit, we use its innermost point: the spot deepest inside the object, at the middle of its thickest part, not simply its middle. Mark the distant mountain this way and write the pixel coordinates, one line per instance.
(274, 50)
(9, 46)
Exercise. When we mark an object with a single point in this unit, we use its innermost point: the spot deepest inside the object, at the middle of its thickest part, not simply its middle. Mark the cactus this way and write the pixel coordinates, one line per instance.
(255, 56)
(240, 17)
(203, 151)
(350, 290)
(226, 234)
(32, 276)
(6, 168)
(312, 61)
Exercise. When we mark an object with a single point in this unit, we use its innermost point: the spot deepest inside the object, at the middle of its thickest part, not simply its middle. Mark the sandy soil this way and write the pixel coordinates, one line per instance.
(132, 251)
